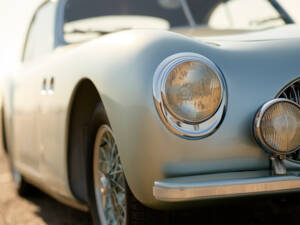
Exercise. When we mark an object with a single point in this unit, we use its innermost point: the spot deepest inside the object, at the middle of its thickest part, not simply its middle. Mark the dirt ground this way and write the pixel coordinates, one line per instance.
(38, 209)
(43, 210)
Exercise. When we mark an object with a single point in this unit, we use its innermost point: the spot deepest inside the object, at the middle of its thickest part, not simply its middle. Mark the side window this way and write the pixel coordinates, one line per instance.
(40, 38)
(244, 14)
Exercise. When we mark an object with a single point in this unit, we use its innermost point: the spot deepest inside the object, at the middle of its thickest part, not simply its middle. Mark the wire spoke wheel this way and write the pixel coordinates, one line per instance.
(109, 181)
(111, 201)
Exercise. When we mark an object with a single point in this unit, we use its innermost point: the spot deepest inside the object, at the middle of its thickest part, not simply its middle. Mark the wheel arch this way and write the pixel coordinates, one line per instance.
(85, 98)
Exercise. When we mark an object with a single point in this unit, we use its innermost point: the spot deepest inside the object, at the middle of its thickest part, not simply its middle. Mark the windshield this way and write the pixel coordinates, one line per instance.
(170, 10)
(98, 17)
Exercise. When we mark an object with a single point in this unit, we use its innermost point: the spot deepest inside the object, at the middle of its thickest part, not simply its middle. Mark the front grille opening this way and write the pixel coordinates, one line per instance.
(292, 92)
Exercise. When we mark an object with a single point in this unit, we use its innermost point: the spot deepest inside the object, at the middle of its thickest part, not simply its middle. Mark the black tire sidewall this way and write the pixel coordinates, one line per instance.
(98, 119)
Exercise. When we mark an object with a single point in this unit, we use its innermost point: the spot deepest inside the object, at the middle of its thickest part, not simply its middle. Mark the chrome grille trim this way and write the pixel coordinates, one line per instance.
(291, 92)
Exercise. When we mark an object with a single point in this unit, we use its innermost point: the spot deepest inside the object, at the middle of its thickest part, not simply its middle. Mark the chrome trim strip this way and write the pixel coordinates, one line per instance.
(182, 128)
(179, 192)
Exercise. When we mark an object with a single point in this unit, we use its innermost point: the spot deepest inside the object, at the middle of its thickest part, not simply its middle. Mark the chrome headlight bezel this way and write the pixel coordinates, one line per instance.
(257, 127)
(179, 126)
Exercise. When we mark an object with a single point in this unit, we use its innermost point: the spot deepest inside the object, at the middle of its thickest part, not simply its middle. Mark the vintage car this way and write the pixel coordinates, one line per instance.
(201, 98)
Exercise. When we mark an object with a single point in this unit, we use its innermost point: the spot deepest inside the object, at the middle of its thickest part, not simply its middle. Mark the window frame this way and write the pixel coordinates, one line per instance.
(30, 26)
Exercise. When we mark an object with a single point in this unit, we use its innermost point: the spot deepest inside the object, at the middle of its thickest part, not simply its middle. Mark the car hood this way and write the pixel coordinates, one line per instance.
(278, 33)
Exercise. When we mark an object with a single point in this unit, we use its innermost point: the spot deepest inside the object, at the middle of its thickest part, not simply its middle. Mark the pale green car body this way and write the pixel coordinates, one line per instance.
(255, 66)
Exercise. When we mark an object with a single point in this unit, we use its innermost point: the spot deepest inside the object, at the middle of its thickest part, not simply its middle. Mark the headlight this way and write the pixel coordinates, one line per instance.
(277, 126)
(189, 94)
(192, 92)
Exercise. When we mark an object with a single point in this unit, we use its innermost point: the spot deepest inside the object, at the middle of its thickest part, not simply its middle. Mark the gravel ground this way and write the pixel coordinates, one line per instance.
(43, 210)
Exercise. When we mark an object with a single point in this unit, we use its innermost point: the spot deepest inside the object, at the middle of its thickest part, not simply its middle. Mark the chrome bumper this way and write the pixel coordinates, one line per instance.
(178, 190)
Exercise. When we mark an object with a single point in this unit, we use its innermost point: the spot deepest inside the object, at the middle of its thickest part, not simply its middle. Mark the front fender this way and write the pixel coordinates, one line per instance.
(254, 72)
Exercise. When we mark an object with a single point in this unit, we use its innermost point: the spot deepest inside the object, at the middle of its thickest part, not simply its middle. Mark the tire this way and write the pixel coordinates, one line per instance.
(127, 210)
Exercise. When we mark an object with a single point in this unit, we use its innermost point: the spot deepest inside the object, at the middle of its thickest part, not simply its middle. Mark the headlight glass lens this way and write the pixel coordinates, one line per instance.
(280, 127)
(193, 92)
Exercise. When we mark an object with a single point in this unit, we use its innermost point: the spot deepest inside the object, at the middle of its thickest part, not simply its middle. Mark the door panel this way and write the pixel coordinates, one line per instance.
(26, 94)
(30, 86)
(52, 135)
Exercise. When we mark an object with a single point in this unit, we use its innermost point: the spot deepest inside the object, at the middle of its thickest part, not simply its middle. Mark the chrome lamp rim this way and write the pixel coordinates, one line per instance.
(257, 127)
(180, 126)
